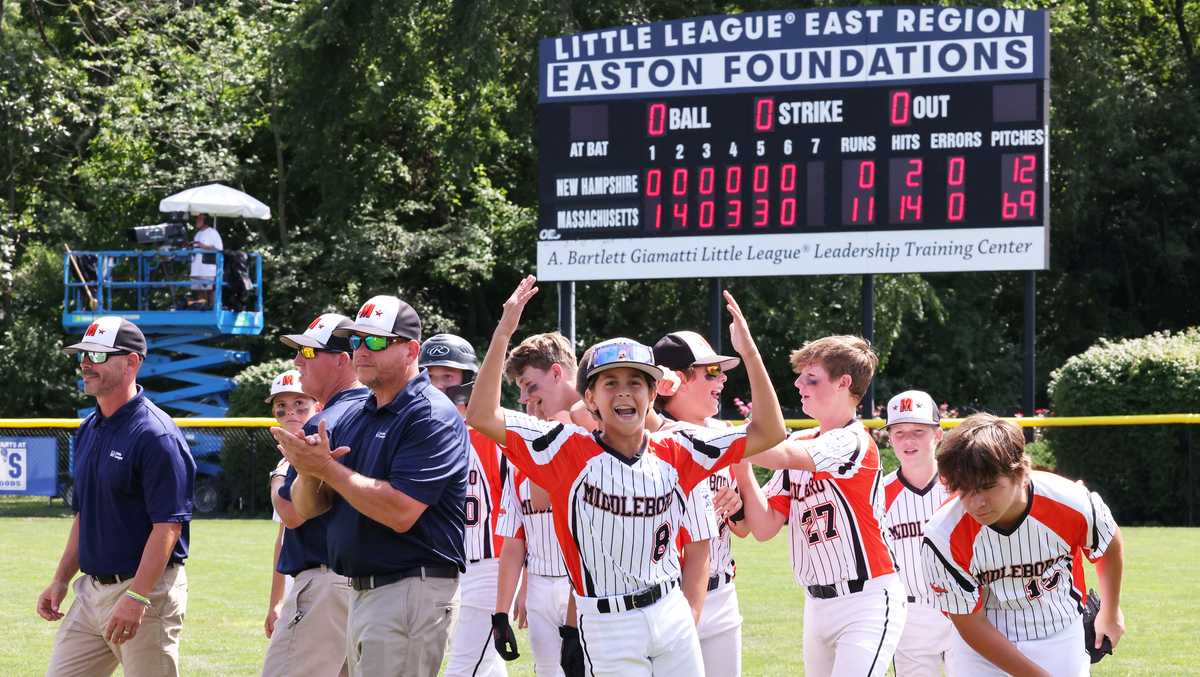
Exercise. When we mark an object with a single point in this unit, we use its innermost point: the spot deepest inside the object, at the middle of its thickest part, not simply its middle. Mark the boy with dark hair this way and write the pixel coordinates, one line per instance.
(1019, 534)
(828, 490)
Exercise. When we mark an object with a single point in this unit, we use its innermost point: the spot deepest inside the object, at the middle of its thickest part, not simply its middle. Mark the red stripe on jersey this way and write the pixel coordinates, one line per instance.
(781, 504)
(962, 541)
(488, 453)
(890, 492)
(857, 490)
(556, 478)
(1071, 526)
(692, 473)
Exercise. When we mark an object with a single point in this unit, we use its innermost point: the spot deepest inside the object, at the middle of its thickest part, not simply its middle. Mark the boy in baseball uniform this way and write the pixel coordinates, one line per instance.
(1003, 558)
(912, 494)
(829, 491)
(618, 496)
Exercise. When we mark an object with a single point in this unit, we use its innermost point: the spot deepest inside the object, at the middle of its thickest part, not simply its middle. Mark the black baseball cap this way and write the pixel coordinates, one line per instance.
(110, 334)
(384, 316)
(319, 334)
(682, 350)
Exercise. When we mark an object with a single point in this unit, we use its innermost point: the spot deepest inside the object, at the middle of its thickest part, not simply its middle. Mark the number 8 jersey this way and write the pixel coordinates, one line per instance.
(617, 518)
(834, 513)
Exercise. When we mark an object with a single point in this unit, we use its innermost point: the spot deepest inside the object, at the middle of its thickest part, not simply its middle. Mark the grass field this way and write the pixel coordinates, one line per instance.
(228, 574)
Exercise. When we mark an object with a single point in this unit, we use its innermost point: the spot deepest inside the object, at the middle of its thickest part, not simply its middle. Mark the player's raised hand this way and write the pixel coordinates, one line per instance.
(739, 331)
(515, 305)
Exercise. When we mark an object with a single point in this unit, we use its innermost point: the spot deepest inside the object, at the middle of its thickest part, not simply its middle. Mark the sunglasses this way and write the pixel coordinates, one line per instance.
(96, 357)
(712, 371)
(373, 343)
(310, 353)
(621, 352)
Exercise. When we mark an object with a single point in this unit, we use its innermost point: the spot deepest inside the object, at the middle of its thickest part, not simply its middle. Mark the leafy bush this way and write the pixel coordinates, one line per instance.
(1140, 471)
(249, 454)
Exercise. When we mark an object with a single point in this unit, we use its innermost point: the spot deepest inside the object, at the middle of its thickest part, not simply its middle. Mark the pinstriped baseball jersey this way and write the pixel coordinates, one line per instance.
(519, 518)
(617, 518)
(1033, 573)
(699, 518)
(720, 549)
(485, 479)
(833, 514)
(907, 509)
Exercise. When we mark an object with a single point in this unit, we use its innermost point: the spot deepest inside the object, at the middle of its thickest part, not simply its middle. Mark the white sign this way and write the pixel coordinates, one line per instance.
(14, 467)
(905, 251)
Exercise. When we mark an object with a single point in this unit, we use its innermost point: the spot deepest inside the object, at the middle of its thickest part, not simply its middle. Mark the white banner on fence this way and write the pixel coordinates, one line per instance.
(902, 251)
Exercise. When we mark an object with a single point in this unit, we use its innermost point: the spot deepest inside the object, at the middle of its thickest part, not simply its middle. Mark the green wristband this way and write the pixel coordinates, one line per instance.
(144, 601)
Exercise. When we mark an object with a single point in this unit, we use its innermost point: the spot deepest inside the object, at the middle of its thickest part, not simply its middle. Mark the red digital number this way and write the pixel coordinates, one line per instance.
(787, 178)
(707, 180)
(764, 115)
(956, 199)
(955, 206)
(956, 171)
(733, 214)
(762, 213)
(733, 179)
(656, 119)
(707, 209)
(654, 183)
(787, 212)
(1026, 199)
(762, 178)
(679, 182)
(679, 212)
(901, 111)
(1024, 167)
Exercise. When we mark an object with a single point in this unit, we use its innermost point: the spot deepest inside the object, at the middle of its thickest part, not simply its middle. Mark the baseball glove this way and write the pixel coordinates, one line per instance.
(1089, 629)
(504, 638)
(572, 652)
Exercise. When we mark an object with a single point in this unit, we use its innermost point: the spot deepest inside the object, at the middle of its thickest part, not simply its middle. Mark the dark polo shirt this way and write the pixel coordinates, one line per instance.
(132, 470)
(304, 547)
(419, 444)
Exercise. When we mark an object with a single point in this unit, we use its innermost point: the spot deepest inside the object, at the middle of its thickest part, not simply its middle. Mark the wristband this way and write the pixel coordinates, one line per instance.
(739, 515)
(144, 601)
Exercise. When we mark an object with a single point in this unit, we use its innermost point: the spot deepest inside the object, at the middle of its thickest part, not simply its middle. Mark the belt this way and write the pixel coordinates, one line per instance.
(113, 579)
(637, 600)
(379, 580)
(831, 591)
(717, 580)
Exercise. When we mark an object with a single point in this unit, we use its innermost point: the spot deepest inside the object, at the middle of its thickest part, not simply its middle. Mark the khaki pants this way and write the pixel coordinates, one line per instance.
(310, 635)
(80, 647)
(401, 629)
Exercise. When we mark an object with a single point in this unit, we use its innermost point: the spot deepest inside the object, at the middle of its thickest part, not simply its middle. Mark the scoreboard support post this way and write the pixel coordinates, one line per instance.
(566, 311)
(716, 303)
(868, 324)
(1030, 344)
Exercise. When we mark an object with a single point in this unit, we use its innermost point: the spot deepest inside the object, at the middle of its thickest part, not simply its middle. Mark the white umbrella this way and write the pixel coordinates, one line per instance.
(217, 200)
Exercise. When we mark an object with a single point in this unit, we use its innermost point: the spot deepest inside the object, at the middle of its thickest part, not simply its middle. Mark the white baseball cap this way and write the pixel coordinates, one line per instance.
(913, 406)
(287, 382)
(319, 334)
(384, 316)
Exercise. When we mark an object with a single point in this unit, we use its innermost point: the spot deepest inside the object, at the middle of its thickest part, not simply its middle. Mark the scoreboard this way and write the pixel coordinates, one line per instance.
(854, 140)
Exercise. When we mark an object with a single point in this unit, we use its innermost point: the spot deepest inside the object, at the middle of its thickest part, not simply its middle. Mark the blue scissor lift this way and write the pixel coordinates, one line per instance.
(151, 288)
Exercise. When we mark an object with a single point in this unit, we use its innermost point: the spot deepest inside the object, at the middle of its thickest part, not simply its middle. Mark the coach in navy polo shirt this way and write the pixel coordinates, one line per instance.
(310, 637)
(134, 484)
(395, 498)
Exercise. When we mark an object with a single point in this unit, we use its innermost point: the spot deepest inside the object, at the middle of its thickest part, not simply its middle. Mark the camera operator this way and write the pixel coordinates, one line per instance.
(203, 274)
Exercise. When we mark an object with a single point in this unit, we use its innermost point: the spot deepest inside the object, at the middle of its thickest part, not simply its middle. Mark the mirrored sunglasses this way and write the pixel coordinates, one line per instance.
(98, 357)
(711, 371)
(621, 352)
(373, 343)
(310, 353)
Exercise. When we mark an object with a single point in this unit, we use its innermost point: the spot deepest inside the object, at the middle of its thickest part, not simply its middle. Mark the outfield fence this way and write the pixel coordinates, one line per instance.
(234, 456)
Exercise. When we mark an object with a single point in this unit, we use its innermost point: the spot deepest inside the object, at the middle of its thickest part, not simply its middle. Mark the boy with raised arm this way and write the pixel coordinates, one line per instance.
(618, 496)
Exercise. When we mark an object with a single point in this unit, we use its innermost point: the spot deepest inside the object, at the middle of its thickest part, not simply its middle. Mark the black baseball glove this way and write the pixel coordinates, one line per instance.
(1089, 629)
(572, 652)
(504, 638)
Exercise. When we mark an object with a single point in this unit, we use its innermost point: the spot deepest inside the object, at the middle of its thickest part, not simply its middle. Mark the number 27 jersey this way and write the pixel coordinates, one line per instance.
(617, 518)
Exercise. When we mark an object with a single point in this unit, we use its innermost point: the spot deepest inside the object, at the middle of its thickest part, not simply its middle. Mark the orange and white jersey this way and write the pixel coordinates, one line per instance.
(534, 524)
(617, 519)
(485, 479)
(1033, 573)
(834, 513)
(906, 510)
(720, 552)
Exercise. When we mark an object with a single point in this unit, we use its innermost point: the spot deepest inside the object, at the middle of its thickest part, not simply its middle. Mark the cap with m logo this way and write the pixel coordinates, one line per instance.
(110, 334)
(319, 334)
(913, 406)
(384, 316)
(287, 382)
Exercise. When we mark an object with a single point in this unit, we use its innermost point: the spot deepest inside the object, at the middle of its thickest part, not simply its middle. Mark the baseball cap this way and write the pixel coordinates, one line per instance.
(319, 334)
(913, 406)
(287, 382)
(682, 350)
(622, 352)
(384, 316)
(448, 350)
(110, 334)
